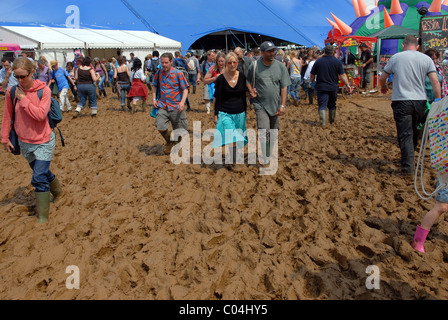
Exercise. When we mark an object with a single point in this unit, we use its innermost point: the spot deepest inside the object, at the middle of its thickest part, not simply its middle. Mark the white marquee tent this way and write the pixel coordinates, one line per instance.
(60, 43)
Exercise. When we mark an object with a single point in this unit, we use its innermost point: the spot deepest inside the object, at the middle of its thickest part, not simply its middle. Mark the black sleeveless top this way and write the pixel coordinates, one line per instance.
(84, 76)
(123, 77)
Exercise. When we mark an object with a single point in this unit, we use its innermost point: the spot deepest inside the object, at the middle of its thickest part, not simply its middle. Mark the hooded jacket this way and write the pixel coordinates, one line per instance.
(31, 118)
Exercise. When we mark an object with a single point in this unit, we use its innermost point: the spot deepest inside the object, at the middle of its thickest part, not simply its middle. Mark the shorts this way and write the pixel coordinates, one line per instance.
(178, 120)
(43, 152)
(442, 195)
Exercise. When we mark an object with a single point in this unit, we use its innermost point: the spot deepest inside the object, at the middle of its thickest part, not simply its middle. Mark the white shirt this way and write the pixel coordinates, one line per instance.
(308, 70)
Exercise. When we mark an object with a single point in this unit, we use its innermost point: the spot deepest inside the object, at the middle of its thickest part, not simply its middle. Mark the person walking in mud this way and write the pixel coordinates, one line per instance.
(169, 96)
(409, 69)
(267, 81)
(327, 69)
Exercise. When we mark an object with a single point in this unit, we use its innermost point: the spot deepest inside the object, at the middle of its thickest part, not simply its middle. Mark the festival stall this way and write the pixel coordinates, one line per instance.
(9, 49)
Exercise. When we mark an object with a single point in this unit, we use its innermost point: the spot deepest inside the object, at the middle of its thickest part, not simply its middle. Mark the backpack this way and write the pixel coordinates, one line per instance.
(191, 65)
(54, 115)
(435, 133)
(154, 65)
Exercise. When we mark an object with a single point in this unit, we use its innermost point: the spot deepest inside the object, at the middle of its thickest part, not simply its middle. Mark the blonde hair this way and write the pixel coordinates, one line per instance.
(229, 56)
(25, 64)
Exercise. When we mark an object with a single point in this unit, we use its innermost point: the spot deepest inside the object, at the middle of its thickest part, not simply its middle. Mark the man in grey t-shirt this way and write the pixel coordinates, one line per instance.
(409, 69)
(268, 89)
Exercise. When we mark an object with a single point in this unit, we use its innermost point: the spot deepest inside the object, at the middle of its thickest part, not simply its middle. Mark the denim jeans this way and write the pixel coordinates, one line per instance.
(124, 90)
(87, 91)
(100, 84)
(111, 75)
(193, 79)
(295, 86)
(327, 99)
(408, 115)
(42, 176)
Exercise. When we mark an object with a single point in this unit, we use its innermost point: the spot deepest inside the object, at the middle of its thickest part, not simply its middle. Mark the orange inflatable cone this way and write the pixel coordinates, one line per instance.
(395, 7)
(436, 6)
(333, 24)
(344, 28)
(387, 19)
(363, 10)
(355, 5)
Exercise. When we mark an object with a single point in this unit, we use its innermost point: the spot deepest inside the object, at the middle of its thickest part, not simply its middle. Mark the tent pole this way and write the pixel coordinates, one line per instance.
(378, 55)
(226, 42)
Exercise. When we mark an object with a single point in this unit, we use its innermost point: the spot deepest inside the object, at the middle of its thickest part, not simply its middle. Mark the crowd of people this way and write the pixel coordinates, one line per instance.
(265, 78)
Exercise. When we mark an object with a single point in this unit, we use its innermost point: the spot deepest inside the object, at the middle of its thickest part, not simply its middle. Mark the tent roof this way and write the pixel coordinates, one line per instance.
(395, 32)
(67, 38)
(298, 21)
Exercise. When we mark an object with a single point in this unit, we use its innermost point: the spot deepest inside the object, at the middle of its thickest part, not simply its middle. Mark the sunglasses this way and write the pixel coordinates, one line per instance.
(232, 62)
(22, 77)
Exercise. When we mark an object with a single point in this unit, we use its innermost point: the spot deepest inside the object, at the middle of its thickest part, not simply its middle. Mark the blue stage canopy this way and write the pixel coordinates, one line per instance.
(298, 21)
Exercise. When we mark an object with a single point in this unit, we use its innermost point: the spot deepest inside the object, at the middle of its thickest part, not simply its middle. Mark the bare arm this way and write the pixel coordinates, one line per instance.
(435, 85)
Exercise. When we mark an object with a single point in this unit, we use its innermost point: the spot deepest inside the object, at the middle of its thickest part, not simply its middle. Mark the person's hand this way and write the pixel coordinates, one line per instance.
(253, 93)
(76, 88)
(20, 94)
(181, 106)
(8, 72)
(155, 103)
(350, 89)
(8, 146)
(215, 120)
(281, 111)
(384, 90)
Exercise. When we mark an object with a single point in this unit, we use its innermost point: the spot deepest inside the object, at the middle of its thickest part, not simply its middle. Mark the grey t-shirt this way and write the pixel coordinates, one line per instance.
(409, 69)
(269, 80)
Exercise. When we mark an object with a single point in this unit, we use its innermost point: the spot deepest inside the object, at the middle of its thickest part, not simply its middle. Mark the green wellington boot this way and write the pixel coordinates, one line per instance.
(169, 144)
(323, 117)
(55, 189)
(43, 206)
(332, 116)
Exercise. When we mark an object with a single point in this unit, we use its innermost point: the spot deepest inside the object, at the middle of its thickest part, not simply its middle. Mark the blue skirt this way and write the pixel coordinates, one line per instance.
(230, 128)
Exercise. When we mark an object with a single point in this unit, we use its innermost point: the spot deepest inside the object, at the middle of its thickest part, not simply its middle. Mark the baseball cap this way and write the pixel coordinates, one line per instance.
(267, 45)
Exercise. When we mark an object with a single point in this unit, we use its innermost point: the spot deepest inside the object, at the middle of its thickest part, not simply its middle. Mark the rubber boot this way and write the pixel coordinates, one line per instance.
(134, 105)
(332, 116)
(144, 106)
(55, 189)
(129, 104)
(43, 206)
(169, 144)
(419, 239)
(194, 90)
(310, 97)
(323, 117)
(104, 93)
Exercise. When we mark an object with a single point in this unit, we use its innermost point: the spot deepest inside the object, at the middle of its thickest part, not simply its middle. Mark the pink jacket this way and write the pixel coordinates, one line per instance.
(31, 119)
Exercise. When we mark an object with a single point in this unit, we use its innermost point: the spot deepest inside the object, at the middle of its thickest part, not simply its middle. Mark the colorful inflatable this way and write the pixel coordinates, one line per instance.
(387, 13)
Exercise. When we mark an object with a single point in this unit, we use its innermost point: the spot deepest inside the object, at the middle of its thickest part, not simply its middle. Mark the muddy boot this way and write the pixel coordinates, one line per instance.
(104, 93)
(129, 104)
(169, 144)
(55, 189)
(43, 206)
(144, 106)
(134, 105)
(310, 97)
(332, 116)
(323, 117)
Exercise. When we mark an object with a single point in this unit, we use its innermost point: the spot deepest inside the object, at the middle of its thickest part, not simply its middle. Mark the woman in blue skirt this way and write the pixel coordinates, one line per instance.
(230, 106)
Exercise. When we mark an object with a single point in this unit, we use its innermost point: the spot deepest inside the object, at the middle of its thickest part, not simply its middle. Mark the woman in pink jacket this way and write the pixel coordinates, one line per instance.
(36, 138)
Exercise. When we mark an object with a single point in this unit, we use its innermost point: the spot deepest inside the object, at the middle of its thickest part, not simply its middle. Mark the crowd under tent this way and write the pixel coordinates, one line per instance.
(63, 44)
